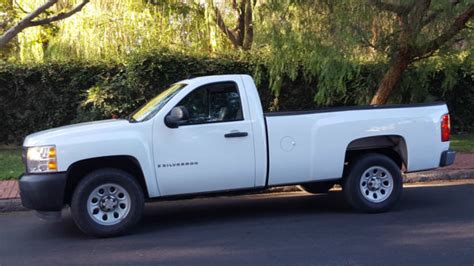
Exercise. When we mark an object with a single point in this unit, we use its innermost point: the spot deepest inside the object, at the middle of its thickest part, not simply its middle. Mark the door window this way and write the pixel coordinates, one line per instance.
(217, 102)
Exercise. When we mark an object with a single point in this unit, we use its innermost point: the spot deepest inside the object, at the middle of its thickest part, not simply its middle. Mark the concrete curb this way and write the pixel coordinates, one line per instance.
(439, 176)
(10, 205)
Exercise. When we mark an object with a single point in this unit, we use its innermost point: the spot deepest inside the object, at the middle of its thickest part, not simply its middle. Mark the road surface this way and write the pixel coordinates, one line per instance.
(433, 225)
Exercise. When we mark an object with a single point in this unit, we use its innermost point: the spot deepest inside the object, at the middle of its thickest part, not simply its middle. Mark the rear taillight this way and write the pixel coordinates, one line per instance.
(445, 128)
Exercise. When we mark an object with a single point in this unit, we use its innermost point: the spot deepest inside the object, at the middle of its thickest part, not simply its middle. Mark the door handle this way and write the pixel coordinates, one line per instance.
(236, 134)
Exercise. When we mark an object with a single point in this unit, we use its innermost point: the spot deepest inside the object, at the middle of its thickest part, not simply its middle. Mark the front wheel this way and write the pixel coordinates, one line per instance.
(107, 202)
(374, 183)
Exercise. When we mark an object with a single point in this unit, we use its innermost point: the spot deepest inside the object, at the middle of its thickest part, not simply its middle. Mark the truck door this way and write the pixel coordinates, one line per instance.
(213, 149)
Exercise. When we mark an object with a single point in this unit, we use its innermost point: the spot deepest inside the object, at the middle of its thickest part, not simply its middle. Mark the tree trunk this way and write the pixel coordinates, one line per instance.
(248, 24)
(391, 79)
(242, 36)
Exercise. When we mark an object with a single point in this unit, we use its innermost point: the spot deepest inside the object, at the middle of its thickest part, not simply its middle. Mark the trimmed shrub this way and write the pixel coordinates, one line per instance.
(37, 97)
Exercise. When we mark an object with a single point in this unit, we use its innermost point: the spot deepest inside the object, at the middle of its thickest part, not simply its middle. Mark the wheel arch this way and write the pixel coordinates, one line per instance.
(78, 170)
(392, 146)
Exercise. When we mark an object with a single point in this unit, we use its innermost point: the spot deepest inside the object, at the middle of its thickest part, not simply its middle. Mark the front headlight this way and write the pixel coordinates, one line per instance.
(41, 159)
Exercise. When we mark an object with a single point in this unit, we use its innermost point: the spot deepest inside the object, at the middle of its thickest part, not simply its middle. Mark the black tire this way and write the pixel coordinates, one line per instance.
(317, 187)
(89, 184)
(354, 189)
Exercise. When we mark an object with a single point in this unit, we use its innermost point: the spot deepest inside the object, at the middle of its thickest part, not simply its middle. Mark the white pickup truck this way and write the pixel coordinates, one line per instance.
(209, 135)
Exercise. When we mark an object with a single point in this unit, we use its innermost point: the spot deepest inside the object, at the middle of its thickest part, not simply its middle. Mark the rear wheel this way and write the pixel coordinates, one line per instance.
(374, 183)
(107, 202)
(316, 188)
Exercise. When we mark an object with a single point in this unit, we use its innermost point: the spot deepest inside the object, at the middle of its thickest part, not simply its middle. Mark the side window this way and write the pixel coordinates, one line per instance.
(217, 102)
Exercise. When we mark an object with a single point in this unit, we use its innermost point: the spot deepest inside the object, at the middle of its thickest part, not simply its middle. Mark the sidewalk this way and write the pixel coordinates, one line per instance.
(463, 168)
(9, 190)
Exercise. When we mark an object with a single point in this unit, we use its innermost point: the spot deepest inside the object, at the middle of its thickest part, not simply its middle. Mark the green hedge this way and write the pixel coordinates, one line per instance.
(36, 97)
(40, 97)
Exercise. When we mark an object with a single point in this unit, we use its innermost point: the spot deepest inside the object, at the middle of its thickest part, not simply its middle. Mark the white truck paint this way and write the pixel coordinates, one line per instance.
(278, 148)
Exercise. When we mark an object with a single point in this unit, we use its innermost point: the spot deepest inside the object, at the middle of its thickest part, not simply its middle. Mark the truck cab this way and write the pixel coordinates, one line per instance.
(212, 142)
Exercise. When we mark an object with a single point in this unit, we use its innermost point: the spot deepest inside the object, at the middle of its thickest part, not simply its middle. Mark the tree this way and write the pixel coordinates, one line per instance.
(414, 18)
(319, 39)
(32, 20)
(308, 39)
(242, 35)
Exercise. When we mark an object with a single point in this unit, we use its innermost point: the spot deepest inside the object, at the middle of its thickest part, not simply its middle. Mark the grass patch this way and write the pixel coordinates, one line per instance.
(11, 165)
(463, 143)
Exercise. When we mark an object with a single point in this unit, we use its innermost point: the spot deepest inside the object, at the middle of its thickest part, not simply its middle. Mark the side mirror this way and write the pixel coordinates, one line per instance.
(176, 116)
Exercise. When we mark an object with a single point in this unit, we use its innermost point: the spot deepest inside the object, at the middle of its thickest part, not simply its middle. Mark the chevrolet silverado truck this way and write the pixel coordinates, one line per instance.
(209, 135)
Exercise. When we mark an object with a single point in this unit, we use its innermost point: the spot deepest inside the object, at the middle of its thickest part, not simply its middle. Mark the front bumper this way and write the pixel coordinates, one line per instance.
(447, 158)
(43, 192)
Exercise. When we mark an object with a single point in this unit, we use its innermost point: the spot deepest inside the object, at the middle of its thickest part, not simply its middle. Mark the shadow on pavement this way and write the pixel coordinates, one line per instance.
(166, 215)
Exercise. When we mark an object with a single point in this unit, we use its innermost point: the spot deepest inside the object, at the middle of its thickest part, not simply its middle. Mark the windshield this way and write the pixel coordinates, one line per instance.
(152, 107)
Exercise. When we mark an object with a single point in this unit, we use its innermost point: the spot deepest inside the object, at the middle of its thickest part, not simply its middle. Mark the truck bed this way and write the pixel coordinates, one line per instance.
(312, 145)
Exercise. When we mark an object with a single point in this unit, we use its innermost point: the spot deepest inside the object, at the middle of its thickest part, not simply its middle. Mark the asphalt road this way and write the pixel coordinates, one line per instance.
(433, 225)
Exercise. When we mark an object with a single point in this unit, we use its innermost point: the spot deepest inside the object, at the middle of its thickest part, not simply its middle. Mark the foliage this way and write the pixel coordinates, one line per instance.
(41, 15)
(328, 44)
(112, 30)
(41, 96)
(331, 44)
(8, 16)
